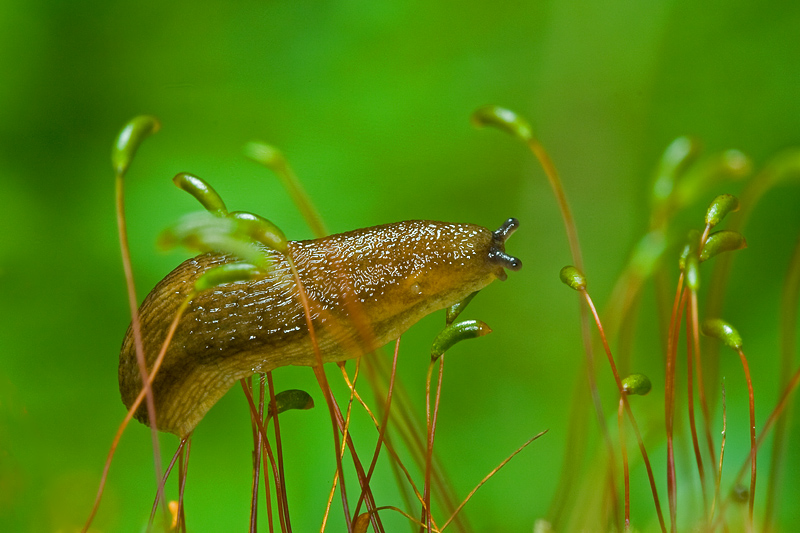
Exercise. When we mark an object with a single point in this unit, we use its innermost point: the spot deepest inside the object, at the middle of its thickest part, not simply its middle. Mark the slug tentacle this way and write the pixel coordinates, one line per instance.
(505, 260)
(509, 227)
(384, 278)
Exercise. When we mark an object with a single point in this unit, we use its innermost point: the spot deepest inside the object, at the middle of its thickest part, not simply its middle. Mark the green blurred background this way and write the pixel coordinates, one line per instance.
(370, 102)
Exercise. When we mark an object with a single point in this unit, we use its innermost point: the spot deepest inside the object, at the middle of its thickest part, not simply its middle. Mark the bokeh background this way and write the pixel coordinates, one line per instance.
(370, 101)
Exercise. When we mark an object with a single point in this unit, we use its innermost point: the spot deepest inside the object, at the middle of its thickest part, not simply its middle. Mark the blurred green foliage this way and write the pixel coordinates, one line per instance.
(370, 102)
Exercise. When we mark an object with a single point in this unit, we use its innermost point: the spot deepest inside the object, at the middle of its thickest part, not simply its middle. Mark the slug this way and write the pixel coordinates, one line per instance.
(365, 287)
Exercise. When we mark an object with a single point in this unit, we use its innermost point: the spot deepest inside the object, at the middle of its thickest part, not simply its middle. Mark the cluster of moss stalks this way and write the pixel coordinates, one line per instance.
(700, 260)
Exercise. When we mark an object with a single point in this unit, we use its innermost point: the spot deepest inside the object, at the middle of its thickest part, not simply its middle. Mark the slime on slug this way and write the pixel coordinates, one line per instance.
(384, 278)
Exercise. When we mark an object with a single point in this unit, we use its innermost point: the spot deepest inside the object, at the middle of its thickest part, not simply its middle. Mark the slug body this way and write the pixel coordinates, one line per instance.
(365, 288)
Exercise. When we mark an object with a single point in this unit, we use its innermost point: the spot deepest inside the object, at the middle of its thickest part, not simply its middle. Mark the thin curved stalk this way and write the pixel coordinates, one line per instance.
(134, 407)
(669, 397)
(690, 355)
(119, 188)
(788, 343)
(629, 412)
(383, 424)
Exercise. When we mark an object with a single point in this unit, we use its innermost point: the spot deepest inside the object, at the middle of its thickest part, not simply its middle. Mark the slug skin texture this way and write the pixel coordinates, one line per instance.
(365, 288)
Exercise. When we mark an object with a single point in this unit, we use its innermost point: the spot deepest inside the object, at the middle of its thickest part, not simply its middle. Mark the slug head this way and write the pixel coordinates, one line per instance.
(497, 252)
(398, 273)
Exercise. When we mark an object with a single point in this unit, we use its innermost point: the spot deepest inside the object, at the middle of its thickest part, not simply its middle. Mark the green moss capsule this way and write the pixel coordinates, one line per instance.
(260, 229)
(202, 191)
(129, 139)
(204, 232)
(503, 119)
(293, 399)
(455, 333)
(638, 384)
(227, 273)
(573, 278)
(720, 242)
(723, 331)
(267, 155)
(720, 207)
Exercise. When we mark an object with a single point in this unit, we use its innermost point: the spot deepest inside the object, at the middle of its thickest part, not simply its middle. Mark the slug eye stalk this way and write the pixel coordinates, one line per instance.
(504, 232)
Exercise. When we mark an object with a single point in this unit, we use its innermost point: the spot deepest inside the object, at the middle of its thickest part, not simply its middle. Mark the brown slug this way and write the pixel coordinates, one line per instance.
(385, 278)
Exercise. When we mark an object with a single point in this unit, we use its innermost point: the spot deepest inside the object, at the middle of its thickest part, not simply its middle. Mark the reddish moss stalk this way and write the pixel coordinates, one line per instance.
(319, 373)
(163, 483)
(690, 320)
(628, 410)
(257, 445)
(669, 397)
(788, 342)
(752, 434)
(554, 180)
(279, 488)
(383, 425)
(183, 470)
(487, 477)
(625, 476)
(360, 474)
(283, 497)
(136, 327)
(129, 416)
(721, 454)
(427, 515)
(700, 383)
